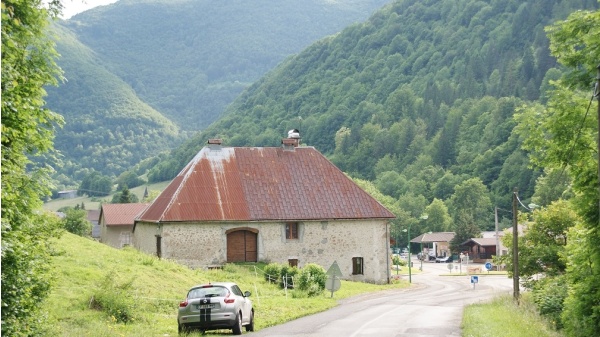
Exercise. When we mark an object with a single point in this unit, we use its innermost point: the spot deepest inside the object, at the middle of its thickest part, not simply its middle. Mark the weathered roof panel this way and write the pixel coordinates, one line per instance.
(121, 214)
(226, 183)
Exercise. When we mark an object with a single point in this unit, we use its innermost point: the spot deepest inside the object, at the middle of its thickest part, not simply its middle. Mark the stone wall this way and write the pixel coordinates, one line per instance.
(320, 242)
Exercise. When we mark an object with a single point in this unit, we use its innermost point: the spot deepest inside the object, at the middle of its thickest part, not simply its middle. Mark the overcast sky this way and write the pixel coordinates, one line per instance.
(72, 7)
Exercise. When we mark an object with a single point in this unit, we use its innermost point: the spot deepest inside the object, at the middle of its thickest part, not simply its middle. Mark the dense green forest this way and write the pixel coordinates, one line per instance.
(191, 58)
(108, 128)
(142, 76)
(419, 99)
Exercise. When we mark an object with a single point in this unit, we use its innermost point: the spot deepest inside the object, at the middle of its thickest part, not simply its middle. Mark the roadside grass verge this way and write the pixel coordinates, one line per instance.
(502, 317)
(102, 291)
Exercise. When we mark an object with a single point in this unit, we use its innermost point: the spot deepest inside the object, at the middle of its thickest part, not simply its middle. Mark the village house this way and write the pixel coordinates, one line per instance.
(116, 223)
(93, 216)
(285, 204)
(434, 244)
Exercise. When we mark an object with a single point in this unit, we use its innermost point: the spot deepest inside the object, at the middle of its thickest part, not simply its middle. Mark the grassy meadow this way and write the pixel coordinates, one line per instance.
(94, 203)
(147, 291)
(102, 291)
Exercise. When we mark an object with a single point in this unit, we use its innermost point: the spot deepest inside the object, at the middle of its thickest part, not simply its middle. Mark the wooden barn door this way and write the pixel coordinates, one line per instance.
(242, 246)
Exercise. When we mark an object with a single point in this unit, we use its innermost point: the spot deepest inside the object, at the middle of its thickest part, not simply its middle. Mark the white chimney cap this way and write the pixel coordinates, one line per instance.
(294, 133)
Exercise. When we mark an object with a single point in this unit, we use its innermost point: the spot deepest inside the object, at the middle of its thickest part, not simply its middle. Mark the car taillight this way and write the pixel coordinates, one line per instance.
(229, 300)
(183, 304)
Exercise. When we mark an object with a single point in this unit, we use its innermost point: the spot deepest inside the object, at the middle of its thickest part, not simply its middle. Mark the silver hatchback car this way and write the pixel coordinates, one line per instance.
(219, 305)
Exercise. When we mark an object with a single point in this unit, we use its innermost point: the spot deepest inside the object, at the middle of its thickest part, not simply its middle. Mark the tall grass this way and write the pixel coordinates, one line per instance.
(503, 317)
(102, 291)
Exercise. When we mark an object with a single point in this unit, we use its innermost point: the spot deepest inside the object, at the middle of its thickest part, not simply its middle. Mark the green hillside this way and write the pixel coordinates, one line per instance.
(190, 59)
(419, 99)
(141, 76)
(108, 128)
(86, 270)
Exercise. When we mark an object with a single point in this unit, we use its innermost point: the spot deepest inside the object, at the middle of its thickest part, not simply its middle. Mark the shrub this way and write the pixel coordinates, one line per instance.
(286, 276)
(272, 272)
(396, 260)
(116, 300)
(312, 279)
(549, 296)
(76, 222)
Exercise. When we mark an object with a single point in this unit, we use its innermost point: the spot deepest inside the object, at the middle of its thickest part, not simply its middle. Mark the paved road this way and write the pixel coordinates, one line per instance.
(432, 307)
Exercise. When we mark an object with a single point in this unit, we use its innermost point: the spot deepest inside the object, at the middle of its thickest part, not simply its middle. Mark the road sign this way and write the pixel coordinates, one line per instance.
(474, 279)
(332, 283)
(450, 267)
(488, 266)
(334, 270)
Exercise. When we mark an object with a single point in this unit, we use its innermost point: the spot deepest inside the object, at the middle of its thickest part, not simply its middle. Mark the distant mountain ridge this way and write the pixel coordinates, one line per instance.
(175, 64)
(189, 59)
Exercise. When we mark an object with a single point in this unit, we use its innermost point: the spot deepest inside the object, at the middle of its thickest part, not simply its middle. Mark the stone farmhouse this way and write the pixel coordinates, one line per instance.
(285, 204)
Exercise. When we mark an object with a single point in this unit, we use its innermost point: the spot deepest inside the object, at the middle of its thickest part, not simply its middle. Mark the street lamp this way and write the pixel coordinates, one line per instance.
(423, 217)
(409, 262)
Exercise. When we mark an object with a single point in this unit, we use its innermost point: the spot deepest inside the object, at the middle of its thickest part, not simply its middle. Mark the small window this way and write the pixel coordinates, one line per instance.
(125, 239)
(293, 262)
(357, 266)
(291, 230)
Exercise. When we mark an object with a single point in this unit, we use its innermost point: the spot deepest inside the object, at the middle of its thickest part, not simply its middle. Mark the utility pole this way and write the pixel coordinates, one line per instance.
(496, 228)
(597, 95)
(515, 247)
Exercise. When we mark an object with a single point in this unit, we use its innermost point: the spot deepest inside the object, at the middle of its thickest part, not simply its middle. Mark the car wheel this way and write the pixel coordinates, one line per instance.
(237, 327)
(181, 329)
(250, 326)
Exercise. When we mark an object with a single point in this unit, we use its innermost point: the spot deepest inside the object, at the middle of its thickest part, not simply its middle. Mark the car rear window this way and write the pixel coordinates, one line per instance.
(212, 291)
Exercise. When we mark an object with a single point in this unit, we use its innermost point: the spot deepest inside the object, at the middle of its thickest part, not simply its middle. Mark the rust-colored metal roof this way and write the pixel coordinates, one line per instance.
(266, 183)
(121, 214)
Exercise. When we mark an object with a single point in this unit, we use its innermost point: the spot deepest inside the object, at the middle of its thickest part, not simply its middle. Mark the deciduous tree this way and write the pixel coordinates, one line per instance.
(27, 130)
(563, 135)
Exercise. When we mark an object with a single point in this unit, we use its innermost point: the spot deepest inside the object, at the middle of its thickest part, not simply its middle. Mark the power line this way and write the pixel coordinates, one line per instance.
(569, 153)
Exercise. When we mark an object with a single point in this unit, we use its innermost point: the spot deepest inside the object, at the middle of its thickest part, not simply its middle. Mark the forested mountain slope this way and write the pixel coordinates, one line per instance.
(108, 128)
(189, 59)
(418, 99)
(185, 60)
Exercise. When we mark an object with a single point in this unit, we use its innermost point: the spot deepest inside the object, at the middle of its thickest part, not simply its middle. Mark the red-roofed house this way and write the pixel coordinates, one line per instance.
(285, 204)
(116, 223)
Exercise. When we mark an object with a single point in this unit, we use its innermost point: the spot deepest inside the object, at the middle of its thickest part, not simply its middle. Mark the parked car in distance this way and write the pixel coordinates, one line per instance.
(443, 259)
(218, 305)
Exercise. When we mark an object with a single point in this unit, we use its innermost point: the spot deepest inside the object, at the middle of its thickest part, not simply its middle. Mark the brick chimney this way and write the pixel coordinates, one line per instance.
(292, 141)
